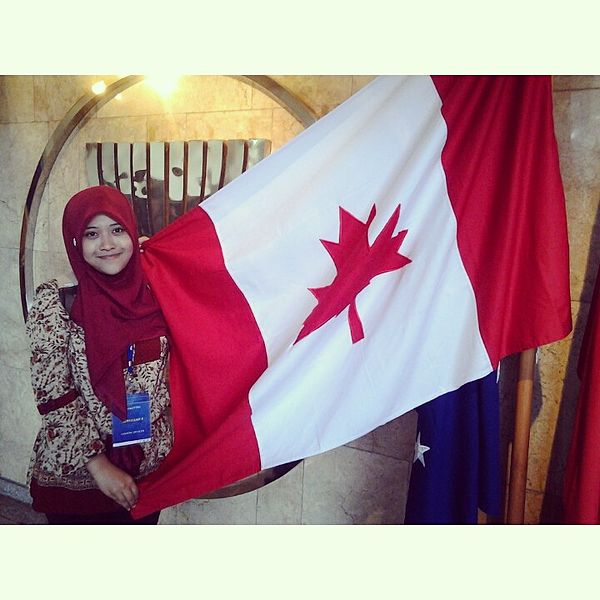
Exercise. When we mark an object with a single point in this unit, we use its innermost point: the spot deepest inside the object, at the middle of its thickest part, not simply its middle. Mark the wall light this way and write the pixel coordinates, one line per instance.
(99, 87)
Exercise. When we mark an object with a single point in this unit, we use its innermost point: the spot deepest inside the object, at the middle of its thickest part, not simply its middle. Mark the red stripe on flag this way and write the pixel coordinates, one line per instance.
(215, 443)
(502, 171)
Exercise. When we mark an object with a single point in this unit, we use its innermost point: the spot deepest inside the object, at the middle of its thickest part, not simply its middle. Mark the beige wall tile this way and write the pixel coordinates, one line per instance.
(584, 240)
(16, 99)
(577, 124)
(285, 128)
(261, 100)
(280, 502)
(359, 81)
(350, 486)
(321, 92)
(54, 95)
(21, 147)
(167, 128)
(20, 422)
(14, 348)
(237, 510)
(18, 417)
(241, 124)
(396, 438)
(575, 82)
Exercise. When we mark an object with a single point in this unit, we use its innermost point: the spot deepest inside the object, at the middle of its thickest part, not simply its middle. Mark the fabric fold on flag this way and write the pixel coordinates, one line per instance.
(389, 254)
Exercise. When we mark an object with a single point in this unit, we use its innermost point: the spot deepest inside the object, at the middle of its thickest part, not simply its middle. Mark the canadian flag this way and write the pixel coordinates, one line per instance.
(392, 252)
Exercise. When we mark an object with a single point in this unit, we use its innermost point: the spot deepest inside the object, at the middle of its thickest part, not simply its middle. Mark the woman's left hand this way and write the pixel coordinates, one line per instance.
(114, 482)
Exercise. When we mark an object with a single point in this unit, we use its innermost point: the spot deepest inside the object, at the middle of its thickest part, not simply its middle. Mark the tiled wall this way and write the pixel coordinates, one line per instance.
(365, 481)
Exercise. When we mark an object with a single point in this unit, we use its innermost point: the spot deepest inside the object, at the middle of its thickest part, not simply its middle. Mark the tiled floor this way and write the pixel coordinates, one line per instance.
(13, 512)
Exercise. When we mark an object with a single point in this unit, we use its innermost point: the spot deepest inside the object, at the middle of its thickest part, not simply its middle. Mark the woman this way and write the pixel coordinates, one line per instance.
(98, 373)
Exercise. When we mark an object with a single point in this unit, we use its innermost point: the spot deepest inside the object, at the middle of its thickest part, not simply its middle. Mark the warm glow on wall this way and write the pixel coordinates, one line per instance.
(163, 83)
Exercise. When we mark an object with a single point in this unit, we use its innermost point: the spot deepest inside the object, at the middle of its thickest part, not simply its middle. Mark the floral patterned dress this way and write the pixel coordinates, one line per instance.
(75, 425)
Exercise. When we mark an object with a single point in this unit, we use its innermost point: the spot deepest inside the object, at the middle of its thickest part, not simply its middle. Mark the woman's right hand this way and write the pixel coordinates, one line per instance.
(114, 482)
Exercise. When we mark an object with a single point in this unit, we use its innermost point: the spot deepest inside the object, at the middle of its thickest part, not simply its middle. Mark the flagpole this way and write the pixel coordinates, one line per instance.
(520, 446)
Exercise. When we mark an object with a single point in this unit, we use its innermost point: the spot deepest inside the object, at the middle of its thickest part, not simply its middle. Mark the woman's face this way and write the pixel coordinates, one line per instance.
(106, 246)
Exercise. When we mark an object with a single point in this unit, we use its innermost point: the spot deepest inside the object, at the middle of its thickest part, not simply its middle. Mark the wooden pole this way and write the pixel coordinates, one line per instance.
(520, 447)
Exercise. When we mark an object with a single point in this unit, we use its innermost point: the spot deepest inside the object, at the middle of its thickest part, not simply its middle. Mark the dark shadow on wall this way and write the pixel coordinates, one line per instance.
(551, 512)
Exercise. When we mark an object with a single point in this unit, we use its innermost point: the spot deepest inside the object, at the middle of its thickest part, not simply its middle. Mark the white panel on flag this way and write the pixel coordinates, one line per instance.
(234, 165)
(124, 167)
(91, 164)
(214, 166)
(257, 150)
(107, 152)
(195, 173)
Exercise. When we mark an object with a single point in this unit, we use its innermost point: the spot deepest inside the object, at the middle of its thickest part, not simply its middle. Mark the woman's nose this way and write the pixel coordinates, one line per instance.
(106, 241)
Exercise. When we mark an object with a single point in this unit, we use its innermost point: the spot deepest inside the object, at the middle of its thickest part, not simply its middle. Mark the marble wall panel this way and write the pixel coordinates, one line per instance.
(54, 95)
(351, 486)
(261, 100)
(280, 502)
(66, 178)
(577, 125)
(14, 349)
(359, 81)
(285, 128)
(21, 146)
(18, 417)
(321, 92)
(20, 422)
(395, 439)
(16, 99)
(584, 240)
(575, 82)
(166, 128)
(211, 94)
(231, 125)
(237, 510)
(52, 265)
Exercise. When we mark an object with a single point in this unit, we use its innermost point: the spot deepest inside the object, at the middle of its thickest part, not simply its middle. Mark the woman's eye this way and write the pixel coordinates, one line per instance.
(118, 230)
(90, 234)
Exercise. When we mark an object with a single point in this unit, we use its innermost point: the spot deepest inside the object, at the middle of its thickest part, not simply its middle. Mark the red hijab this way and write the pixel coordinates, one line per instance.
(113, 310)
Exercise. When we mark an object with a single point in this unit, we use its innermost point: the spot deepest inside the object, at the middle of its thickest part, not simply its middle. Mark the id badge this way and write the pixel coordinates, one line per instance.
(136, 428)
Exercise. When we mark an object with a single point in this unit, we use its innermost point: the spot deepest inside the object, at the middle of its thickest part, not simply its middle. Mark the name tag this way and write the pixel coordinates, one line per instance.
(136, 428)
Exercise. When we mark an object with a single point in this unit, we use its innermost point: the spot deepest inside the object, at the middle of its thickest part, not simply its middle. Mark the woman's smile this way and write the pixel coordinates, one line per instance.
(106, 246)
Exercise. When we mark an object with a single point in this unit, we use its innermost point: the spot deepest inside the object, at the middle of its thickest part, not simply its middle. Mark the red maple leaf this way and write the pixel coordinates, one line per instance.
(356, 263)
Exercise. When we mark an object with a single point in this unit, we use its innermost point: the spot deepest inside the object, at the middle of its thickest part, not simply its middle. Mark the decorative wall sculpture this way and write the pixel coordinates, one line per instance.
(165, 179)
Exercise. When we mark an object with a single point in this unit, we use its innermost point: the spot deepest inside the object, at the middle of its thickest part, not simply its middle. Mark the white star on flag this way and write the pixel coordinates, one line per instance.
(420, 450)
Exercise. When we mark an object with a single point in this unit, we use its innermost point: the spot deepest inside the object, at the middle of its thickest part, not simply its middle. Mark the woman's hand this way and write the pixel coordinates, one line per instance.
(114, 482)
